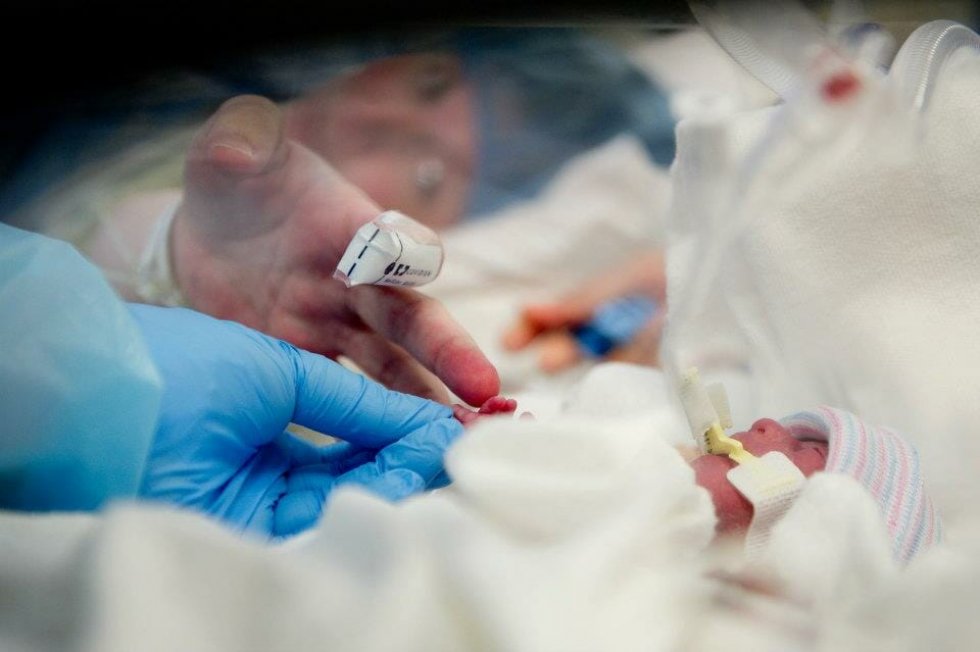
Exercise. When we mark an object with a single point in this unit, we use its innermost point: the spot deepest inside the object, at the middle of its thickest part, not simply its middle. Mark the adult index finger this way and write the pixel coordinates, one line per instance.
(423, 327)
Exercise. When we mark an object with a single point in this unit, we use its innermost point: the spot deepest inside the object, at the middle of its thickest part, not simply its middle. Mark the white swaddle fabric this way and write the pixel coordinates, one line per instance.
(931, 606)
(851, 272)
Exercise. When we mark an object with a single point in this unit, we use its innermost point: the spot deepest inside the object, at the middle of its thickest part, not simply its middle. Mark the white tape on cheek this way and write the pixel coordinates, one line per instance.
(771, 483)
(392, 249)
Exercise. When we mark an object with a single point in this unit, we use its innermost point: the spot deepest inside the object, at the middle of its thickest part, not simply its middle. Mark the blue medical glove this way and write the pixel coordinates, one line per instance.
(79, 394)
(230, 392)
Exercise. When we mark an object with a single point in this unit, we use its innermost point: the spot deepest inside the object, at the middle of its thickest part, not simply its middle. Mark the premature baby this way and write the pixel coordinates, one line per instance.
(834, 441)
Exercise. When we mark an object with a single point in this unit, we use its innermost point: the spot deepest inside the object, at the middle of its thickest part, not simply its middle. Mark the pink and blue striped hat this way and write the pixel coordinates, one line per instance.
(883, 462)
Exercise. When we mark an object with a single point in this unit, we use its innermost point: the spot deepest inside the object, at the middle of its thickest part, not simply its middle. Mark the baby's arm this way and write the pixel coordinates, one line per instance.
(492, 406)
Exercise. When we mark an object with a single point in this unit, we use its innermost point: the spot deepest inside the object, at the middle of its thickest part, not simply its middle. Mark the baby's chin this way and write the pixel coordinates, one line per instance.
(733, 511)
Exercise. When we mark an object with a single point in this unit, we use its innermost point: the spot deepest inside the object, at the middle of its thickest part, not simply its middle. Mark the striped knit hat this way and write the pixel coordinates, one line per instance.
(884, 463)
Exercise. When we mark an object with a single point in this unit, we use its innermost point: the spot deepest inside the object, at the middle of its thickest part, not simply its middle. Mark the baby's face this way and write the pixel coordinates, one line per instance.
(735, 512)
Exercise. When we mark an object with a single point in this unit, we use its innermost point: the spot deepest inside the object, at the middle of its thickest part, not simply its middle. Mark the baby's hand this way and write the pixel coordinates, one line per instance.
(492, 406)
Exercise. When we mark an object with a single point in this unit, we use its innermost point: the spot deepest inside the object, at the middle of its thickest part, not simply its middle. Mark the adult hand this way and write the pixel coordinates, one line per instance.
(549, 325)
(230, 392)
(264, 222)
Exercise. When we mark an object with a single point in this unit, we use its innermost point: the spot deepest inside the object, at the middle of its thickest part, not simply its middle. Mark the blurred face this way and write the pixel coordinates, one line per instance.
(401, 128)
(735, 512)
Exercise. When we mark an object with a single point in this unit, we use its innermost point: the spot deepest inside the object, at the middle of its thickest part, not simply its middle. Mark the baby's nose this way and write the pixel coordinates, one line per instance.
(765, 435)
(767, 428)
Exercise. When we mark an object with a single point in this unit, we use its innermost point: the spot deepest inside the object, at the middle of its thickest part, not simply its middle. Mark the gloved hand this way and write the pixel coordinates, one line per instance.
(221, 447)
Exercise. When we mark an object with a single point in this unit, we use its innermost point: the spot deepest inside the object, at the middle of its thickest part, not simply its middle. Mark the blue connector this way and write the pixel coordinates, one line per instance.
(614, 323)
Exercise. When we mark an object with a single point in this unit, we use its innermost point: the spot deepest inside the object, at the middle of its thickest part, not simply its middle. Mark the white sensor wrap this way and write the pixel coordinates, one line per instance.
(392, 249)
(771, 483)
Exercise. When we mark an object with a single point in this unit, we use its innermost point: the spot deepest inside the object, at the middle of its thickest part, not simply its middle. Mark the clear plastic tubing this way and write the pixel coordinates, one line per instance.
(920, 59)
